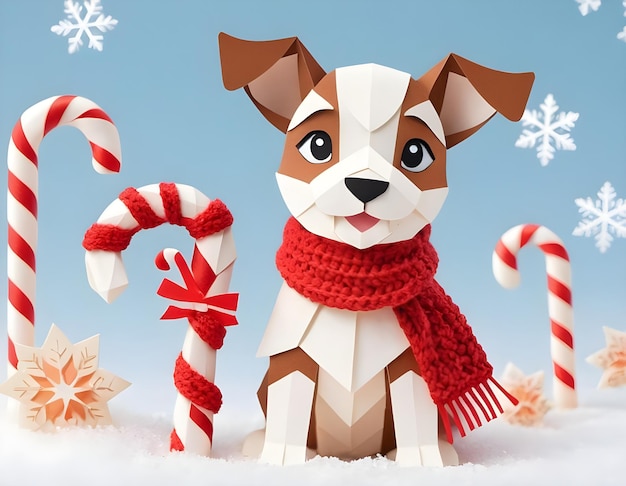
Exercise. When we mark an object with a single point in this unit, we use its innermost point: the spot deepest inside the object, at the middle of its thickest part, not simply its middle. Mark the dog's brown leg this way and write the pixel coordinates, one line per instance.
(287, 395)
(415, 417)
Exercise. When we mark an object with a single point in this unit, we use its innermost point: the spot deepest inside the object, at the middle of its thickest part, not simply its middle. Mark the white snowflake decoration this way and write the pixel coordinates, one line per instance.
(546, 126)
(603, 218)
(585, 6)
(75, 22)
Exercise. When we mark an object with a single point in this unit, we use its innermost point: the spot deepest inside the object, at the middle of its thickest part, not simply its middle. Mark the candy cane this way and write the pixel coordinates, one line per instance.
(204, 301)
(560, 310)
(194, 373)
(29, 131)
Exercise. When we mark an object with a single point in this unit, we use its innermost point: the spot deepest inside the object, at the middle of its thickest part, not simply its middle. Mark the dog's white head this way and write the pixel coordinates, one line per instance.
(365, 151)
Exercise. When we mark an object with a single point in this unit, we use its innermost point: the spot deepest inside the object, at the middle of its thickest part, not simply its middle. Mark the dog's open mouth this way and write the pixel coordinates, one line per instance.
(362, 221)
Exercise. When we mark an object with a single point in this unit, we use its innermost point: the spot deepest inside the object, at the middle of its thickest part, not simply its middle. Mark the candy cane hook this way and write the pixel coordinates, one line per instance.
(504, 263)
(34, 124)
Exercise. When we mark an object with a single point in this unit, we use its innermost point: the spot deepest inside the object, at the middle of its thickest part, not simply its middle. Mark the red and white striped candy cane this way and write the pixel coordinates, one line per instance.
(29, 131)
(203, 297)
(560, 309)
(208, 312)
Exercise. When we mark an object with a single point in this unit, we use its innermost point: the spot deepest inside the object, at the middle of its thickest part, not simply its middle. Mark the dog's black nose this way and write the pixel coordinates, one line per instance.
(365, 190)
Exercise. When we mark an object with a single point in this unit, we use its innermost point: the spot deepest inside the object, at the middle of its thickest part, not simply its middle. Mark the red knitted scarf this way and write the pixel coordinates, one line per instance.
(400, 275)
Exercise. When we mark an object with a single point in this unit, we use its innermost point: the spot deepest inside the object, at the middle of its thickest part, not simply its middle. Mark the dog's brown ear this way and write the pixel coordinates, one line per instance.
(466, 95)
(276, 74)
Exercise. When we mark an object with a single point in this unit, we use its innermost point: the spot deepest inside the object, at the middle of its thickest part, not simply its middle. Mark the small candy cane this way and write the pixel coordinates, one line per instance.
(194, 373)
(29, 131)
(560, 310)
(206, 305)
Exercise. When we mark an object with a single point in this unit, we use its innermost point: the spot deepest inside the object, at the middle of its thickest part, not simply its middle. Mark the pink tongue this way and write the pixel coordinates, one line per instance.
(362, 221)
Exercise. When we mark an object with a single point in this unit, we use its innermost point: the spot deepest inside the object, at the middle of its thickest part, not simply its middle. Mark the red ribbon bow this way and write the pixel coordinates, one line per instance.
(221, 307)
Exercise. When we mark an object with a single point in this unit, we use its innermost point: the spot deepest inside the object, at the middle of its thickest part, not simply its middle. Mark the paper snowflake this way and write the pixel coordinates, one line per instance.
(611, 359)
(532, 405)
(75, 22)
(585, 5)
(546, 127)
(60, 383)
(603, 218)
(593, 5)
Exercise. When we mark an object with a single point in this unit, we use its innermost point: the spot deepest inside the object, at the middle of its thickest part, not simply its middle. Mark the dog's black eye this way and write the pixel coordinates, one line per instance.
(416, 155)
(316, 147)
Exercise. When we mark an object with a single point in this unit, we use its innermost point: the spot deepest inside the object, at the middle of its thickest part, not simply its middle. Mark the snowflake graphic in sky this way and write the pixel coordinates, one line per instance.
(75, 22)
(546, 128)
(585, 6)
(603, 218)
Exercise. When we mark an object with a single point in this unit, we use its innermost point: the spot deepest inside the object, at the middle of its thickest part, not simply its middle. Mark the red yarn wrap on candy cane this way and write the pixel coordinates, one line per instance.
(109, 237)
(34, 124)
(559, 298)
(201, 299)
(208, 324)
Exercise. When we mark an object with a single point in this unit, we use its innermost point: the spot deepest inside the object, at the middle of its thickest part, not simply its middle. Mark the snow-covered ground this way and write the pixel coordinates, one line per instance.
(586, 446)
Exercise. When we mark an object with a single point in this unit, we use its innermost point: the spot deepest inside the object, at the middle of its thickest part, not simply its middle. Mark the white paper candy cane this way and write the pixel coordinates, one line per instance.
(208, 312)
(560, 310)
(203, 296)
(29, 131)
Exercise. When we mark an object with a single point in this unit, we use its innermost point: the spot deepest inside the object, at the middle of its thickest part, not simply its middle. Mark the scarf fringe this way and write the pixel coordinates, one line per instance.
(465, 409)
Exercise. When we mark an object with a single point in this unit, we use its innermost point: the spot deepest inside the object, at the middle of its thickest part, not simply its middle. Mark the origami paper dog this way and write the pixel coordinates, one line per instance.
(367, 354)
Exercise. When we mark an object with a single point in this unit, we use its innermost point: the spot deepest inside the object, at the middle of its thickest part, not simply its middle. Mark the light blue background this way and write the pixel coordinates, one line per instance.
(159, 79)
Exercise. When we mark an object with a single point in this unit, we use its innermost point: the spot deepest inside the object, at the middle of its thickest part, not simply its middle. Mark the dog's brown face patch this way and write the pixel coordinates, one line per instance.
(303, 139)
(412, 132)
(293, 163)
(412, 128)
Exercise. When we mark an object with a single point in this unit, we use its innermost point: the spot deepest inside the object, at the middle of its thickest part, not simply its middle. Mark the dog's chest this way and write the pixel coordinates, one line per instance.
(351, 347)
(352, 350)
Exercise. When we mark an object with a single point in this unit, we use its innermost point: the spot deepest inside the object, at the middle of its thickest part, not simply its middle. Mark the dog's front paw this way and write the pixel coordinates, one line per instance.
(439, 455)
(276, 453)
(285, 454)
